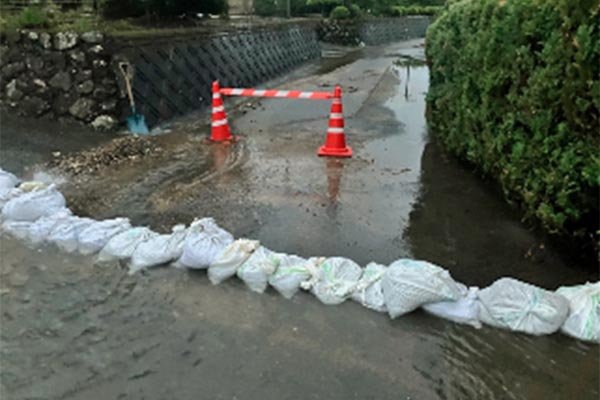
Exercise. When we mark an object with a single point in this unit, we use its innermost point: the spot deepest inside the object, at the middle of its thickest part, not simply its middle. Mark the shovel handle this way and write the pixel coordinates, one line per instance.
(123, 66)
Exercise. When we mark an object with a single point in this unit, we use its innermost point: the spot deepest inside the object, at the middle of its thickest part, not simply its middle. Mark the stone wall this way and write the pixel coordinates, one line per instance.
(62, 75)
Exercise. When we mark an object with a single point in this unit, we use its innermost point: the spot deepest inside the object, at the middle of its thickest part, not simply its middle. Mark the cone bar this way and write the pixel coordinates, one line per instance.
(220, 127)
(335, 143)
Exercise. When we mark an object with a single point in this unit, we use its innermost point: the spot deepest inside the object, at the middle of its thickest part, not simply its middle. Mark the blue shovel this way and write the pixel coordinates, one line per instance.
(135, 122)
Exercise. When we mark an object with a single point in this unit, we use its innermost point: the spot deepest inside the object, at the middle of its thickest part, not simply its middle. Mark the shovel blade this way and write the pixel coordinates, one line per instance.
(136, 123)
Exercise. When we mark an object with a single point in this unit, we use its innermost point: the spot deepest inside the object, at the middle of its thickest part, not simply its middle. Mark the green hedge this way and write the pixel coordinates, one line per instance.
(399, 11)
(514, 90)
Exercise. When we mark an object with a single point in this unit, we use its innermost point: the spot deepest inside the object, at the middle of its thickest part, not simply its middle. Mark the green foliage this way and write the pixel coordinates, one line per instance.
(32, 17)
(399, 11)
(340, 12)
(514, 90)
(325, 6)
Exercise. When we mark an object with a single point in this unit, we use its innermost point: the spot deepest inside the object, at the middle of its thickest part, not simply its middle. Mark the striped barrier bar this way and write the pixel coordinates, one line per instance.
(283, 94)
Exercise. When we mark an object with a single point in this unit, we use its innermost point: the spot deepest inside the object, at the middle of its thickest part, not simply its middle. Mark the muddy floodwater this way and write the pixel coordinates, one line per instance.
(73, 329)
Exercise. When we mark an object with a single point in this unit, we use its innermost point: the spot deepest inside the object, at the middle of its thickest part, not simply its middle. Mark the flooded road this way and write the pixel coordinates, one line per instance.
(73, 330)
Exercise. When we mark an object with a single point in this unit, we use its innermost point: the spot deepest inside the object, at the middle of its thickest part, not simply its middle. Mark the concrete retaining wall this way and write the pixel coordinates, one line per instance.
(175, 77)
(373, 31)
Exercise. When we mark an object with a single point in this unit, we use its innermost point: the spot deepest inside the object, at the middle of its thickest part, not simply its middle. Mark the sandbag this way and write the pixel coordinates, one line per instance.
(17, 229)
(40, 229)
(230, 259)
(257, 269)
(123, 245)
(65, 234)
(205, 241)
(521, 307)
(465, 310)
(7, 180)
(290, 274)
(368, 291)
(583, 321)
(337, 278)
(408, 284)
(8, 194)
(158, 250)
(34, 205)
(93, 238)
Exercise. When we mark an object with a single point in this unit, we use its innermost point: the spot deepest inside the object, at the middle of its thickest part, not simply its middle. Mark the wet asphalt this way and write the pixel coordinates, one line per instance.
(74, 330)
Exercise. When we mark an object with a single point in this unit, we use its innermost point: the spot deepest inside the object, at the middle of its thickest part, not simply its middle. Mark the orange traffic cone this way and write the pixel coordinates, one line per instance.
(220, 127)
(335, 143)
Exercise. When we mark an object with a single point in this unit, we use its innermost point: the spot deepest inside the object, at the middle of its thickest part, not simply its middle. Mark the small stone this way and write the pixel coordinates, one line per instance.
(104, 122)
(92, 37)
(100, 64)
(33, 36)
(62, 103)
(85, 87)
(65, 40)
(3, 53)
(34, 106)
(10, 70)
(82, 108)
(108, 105)
(46, 40)
(12, 92)
(77, 56)
(97, 49)
(61, 80)
(36, 64)
(40, 84)
(83, 75)
(104, 92)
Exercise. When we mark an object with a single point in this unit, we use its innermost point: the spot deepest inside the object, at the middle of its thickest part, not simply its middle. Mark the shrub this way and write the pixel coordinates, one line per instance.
(398, 11)
(514, 90)
(32, 17)
(355, 11)
(340, 12)
(326, 6)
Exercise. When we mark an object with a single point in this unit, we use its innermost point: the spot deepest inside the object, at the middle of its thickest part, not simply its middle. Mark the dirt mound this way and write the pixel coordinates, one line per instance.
(115, 152)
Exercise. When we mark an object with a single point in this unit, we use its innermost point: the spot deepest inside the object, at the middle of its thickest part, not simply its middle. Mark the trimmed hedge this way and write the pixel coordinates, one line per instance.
(514, 90)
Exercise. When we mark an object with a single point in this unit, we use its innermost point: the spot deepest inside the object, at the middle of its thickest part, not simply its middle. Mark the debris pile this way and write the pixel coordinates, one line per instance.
(115, 152)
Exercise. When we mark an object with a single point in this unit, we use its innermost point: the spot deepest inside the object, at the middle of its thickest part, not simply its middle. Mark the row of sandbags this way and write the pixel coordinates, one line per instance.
(37, 213)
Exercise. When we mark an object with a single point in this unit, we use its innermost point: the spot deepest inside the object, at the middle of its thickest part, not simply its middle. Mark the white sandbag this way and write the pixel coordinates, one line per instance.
(40, 229)
(408, 284)
(205, 241)
(465, 310)
(583, 321)
(17, 229)
(337, 278)
(368, 291)
(34, 205)
(123, 245)
(7, 180)
(290, 274)
(158, 250)
(65, 234)
(8, 194)
(230, 259)
(257, 269)
(93, 238)
(521, 307)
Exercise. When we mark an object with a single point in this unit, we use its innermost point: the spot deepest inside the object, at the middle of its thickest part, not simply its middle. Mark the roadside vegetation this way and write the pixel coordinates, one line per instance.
(115, 16)
(515, 91)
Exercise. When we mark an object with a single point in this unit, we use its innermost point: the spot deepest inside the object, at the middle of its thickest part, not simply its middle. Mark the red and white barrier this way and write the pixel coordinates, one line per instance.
(335, 143)
(282, 94)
